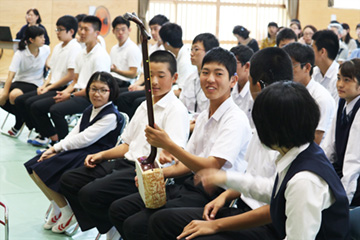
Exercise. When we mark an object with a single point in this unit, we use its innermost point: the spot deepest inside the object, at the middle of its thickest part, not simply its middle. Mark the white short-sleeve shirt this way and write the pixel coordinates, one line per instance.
(244, 100)
(169, 113)
(88, 63)
(126, 56)
(62, 59)
(329, 79)
(29, 68)
(326, 105)
(184, 66)
(225, 135)
(193, 96)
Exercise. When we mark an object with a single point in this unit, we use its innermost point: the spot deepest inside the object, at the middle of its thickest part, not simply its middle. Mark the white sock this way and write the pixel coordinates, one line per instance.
(66, 212)
(112, 234)
(55, 209)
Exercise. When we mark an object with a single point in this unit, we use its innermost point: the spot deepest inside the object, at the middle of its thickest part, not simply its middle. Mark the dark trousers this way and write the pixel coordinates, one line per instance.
(24, 103)
(25, 88)
(58, 111)
(128, 102)
(131, 218)
(90, 192)
(177, 218)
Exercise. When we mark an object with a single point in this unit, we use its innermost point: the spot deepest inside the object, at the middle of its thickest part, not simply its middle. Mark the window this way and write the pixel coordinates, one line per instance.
(220, 16)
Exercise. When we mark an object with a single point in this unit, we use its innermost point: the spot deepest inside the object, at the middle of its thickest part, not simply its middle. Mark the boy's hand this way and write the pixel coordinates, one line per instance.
(211, 209)
(157, 137)
(3, 99)
(136, 181)
(61, 96)
(210, 177)
(113, 68)
(93, 159)
(198, 228)
(166, 157)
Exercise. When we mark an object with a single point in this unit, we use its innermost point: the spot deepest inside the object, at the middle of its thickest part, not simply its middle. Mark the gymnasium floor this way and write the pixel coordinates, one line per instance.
(26, 204)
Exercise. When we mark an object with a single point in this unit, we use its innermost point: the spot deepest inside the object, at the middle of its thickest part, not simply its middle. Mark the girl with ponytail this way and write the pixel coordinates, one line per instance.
(25, 73)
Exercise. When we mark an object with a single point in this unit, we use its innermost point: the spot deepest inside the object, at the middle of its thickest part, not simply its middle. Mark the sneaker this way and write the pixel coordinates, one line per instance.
(51, 144)
(62, 226)
(13, 132)
(40, 141)
(52, 221)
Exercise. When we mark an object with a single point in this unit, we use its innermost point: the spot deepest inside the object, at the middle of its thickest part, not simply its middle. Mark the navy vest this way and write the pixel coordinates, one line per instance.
(342, 134)
(110, 139)
(335, 219)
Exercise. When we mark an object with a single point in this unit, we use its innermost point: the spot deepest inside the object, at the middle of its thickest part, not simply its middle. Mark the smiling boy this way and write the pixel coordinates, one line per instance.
(219, 140)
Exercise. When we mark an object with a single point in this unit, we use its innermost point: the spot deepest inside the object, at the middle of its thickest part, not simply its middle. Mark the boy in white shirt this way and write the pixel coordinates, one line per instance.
(125, 56)
(219, 140)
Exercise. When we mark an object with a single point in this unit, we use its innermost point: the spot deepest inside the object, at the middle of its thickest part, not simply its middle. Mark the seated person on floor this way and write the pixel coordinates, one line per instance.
(97, 130)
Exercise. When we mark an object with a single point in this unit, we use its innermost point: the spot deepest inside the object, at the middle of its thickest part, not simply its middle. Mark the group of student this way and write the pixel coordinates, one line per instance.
(263, 127)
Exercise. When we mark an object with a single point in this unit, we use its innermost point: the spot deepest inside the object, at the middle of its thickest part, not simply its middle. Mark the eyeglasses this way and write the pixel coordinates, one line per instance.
(59, 29)
(194, 50)
(298, 64)
(101, 91)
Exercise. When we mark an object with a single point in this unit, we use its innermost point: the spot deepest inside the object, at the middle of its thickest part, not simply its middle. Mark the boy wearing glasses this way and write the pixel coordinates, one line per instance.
(125, 56)
(62, 64)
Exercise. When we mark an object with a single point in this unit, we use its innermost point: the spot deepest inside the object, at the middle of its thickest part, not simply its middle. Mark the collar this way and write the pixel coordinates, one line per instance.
(333, 69)
(70, 43)
(92, 50)
(310, 84)
(222, 109)
(349, 107)
(28, 53)
(182, 52)
(170, 96)
(97, 110)
(125, 43)
(284, 162)
(243, 91)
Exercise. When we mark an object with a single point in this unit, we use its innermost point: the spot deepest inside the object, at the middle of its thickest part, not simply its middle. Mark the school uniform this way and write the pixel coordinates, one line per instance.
(305, 173)
(91, 191)
(326, 105)
(256, 183)
(329, 79)
(86, 64)
(244, 100)
(224, 135)
(123, 57)
(340, 146)
(29, 75)
(184, 66)
(98, 130)
(62, 59)
(193, 96)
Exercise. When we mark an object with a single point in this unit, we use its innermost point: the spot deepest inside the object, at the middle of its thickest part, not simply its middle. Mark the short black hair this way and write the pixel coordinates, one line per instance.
(163, 56)
(285, 33)
(351, 69)
(301, 53)
(120, 20)
(241, 31)
(30, 32)
(270, 65)
(36, 12)
(285, 115)
(106, 78)
(327, 39)
(242, 53)
(80, 17)
(223, 57)
(172, 34)
(95, 22)
(159, 20)
(208, 40)
(273, 24)
(68, 22)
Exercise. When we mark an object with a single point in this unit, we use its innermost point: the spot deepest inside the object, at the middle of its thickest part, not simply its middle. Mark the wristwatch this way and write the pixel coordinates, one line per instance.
(72, 95)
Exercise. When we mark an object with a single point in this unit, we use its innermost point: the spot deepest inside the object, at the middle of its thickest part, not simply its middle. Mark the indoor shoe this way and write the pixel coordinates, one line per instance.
(63, 224)
(52, 221)
(13, 132)
(40, 141)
